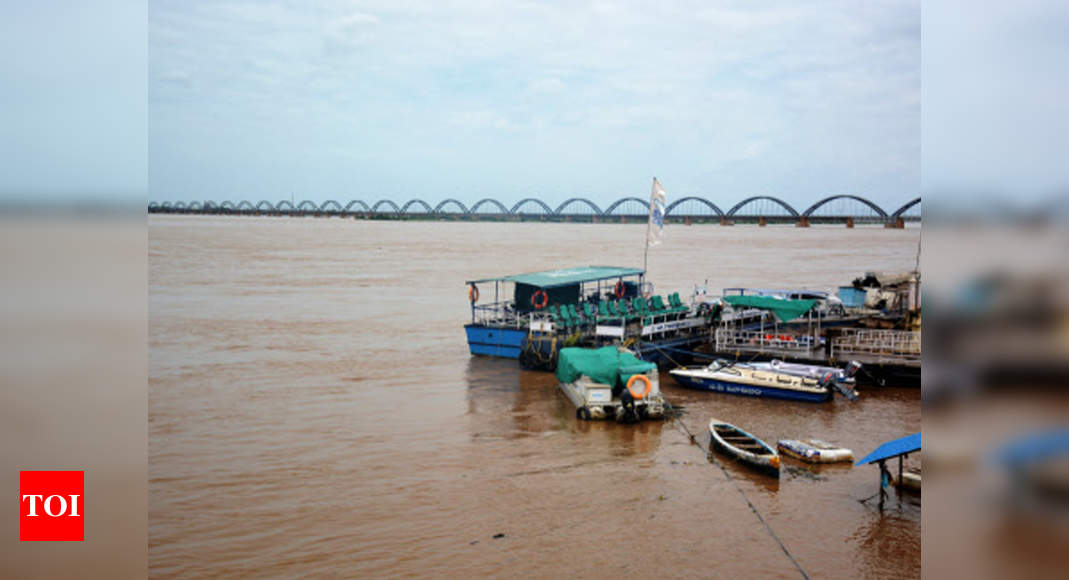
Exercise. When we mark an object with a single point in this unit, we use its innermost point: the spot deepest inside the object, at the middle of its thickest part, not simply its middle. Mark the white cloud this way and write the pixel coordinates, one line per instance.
(547, 85)
(349, 32)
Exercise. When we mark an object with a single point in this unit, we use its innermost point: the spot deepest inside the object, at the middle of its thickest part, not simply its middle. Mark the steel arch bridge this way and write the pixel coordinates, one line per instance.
(831, 209)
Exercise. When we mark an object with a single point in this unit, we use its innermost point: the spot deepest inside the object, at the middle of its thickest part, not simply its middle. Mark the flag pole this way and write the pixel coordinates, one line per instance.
(649, 222)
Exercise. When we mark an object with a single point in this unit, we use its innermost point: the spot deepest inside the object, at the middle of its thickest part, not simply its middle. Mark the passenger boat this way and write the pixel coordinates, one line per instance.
(733, 441)
(610, 383)
(530, 316)
(757, 381)
(814, 451)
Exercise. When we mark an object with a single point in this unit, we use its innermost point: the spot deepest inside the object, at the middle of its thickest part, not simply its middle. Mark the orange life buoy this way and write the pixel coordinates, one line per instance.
(643, 378)
(539, 304)
(620, 288)
(473, 293)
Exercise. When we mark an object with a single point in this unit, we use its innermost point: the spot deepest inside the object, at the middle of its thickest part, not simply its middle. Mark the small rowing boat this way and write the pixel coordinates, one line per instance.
(733, 441)
(814, 451)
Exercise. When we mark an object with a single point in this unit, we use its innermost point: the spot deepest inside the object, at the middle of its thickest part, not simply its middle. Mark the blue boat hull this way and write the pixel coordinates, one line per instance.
(718, 386)
(501, 342)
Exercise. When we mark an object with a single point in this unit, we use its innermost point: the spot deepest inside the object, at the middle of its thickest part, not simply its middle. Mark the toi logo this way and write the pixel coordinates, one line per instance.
(51, 506)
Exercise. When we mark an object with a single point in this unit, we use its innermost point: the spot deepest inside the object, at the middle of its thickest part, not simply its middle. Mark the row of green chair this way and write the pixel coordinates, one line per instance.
(568, 316)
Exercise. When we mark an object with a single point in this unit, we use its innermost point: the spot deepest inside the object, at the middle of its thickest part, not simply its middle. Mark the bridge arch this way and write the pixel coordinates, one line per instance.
(385, 202)
(879, 210)
(265, 205)
(349, 206)
(712, 206)
(780, 202)
(245, 205)
(898, 212)
(284, 204)
(412, 202)
(308, 205)
(475, 208)
(328, 203)
(180, 205)
(226, 205)
(583, 200)
(612, 207)
(153, 205)
(438, 208)
(545, 208)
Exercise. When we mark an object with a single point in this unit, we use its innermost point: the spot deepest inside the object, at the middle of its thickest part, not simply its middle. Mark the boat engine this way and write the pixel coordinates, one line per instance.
(628, 412)
(830, 380)
(852, 368)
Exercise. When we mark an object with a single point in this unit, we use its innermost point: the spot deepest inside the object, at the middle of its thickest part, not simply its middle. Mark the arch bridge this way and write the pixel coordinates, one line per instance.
(762, 209)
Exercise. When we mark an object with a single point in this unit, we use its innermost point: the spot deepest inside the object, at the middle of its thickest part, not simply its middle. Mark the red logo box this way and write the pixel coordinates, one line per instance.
(51, 506)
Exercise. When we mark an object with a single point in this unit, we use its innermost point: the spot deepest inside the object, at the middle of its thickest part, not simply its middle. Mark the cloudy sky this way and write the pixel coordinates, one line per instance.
(470, 99)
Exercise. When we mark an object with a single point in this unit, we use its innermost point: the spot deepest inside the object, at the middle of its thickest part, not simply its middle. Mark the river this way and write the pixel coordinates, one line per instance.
(313, 409)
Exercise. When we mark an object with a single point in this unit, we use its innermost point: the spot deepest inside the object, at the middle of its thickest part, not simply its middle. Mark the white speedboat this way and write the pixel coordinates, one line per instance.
(753, 380)
(843, 376)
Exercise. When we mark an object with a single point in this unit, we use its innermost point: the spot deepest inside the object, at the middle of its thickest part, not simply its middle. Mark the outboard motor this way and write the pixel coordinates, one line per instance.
(831, 380)
(852, 368)
(628, 412)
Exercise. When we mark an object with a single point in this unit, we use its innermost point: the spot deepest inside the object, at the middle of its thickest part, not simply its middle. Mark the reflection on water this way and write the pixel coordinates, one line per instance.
(313, 407)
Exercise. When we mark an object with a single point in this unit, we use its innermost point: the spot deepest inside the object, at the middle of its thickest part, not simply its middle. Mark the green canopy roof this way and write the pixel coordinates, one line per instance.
(567, 276)
(603, 365)
(783, 308)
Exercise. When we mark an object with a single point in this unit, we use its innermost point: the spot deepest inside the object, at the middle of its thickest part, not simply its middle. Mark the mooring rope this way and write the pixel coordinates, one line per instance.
(753, 508)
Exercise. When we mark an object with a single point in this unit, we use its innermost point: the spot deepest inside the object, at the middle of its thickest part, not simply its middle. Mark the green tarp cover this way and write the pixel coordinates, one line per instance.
(551, 278)
(783, 309)
(603, 365)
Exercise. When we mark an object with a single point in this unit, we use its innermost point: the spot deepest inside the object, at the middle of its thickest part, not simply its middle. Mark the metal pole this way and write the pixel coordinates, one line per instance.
(649, 220)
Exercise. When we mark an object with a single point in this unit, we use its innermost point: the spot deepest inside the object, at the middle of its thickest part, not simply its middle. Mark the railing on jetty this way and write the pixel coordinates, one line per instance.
(881, 346)
(731, 339)
(869, 346)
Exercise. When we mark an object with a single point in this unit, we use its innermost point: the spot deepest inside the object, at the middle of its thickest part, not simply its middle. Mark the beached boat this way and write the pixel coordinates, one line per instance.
(757, 381)
(737, 443)
(530, 316)
(814, 451)
(910, 480)
(610, 383)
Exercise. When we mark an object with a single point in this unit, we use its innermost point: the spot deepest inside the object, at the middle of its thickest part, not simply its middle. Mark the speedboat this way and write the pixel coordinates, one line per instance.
(610, 383)
(754, 380)
(739, 444)
(843, 376)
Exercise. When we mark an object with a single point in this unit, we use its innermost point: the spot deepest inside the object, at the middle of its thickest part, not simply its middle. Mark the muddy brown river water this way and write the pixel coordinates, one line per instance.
(313, 409)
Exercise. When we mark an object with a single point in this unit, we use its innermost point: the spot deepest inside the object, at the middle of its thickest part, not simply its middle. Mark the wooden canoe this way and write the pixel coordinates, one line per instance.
(731, 440)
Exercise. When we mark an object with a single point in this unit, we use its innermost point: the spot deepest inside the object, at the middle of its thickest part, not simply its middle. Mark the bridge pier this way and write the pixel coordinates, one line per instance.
(898, 224)
(849, 222)
(761, 221)
(724, 221)
(803, 222)
(688, 221)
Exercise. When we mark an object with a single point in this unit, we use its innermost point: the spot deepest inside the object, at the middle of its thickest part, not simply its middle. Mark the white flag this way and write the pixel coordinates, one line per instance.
(658, 201)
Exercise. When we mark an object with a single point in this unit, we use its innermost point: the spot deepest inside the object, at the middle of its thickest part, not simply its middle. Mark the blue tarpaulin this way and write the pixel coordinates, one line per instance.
(907, 444)
(1034, 448)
